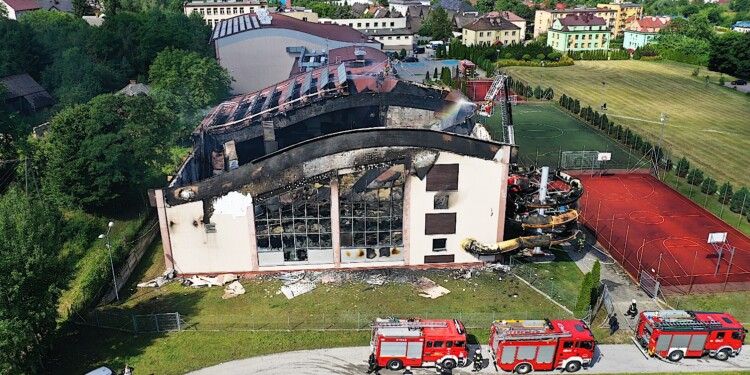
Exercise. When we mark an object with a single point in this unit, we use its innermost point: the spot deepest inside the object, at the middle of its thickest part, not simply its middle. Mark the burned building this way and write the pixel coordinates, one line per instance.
(339, 167)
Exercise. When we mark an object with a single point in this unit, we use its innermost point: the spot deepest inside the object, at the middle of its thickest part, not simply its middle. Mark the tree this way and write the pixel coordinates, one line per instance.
(3, 11)
(30, 279)
(101, 152)
(695, 176)
(596, 271)
(437, 25)
(187, 82)
(584, 296)
(427, 76)
(709, 186)
(538, 92)
(435, 73)
(81, 8)
(402, 53)
(725, 193)
(739, 201)
(576, 106)
(683, 166)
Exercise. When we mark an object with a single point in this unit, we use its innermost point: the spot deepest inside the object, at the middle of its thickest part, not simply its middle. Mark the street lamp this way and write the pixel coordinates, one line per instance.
(604, 96)
(109, 248)
(542, 64)
(663, 119)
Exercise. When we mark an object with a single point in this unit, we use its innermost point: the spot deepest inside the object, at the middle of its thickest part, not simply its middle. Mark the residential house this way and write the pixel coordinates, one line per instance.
(17, 8)
(24, 94)
(302, 14)
(134, 89)
(643, 32)
(543, 19)
(457, 6)
(493, 30)
(579, 33)
(391, 31)
(459, 21)
(402, 6)
(513, 18)
(742, 26)
(58, 5)
(215, 11)
(415, 14)
(624, 12)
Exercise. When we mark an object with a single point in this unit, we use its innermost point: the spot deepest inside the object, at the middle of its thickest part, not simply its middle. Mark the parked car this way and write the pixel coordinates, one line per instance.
(739, 82)
(411, 59)
(101, 371)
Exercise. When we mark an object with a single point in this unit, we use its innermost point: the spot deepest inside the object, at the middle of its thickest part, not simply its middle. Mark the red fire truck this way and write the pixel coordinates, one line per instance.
(674, 334)
(418, 342)
(526, 345)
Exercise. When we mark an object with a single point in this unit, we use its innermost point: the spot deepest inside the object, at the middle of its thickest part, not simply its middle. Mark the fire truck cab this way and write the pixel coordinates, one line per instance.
(675, 334)
(418, 342)
(525, 345)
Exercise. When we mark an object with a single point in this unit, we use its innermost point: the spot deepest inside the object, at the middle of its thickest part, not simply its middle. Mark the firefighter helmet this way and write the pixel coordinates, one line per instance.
(478, 351)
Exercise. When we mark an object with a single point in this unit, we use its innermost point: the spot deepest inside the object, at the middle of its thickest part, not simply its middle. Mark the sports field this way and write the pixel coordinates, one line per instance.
(706, 124)
(647, 226)
(544, 130)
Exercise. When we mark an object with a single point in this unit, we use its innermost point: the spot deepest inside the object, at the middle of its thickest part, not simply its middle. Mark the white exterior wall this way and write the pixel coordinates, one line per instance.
(213, 12)
(195, 251)
(396, 42)
(368, 23)
(476, 204)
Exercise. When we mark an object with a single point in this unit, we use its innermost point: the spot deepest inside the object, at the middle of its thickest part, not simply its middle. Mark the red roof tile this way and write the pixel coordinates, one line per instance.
(328, 31)
(20, 5)
(649, 24)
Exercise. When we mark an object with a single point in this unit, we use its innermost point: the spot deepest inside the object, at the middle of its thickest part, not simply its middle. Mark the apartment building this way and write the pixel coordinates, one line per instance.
(626, 14)
(543, 19)
(214, 11)
(579, 33)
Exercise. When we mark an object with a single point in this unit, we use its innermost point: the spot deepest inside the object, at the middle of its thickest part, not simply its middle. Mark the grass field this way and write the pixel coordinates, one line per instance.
(543, 130)
(706, 124)
(222, 328)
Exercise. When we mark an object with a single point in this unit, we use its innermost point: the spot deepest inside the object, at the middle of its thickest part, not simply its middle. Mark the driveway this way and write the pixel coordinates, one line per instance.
(613, 359)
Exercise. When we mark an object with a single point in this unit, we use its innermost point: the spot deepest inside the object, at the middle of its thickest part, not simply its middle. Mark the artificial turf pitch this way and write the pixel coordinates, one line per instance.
(647, 226)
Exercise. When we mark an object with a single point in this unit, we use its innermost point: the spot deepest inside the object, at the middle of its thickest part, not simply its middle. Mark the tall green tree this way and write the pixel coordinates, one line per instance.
(725, 193)
(437, 25)
(187, 82)
(81, 8)
(709, 186)
(101, 152)
(683, 167)
(31, 274)
(596, 275)
(584, 296)
(740, 201)
(695, 176)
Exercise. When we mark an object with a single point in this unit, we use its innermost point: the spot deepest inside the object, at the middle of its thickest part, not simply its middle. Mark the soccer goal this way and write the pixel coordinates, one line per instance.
(579, 160)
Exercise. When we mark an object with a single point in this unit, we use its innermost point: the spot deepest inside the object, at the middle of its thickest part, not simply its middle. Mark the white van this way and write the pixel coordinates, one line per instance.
(435, 43)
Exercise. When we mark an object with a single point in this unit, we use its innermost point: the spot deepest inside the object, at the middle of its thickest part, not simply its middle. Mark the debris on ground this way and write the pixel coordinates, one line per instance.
(153, 283)
(233, 290)
(207, 281)
(298, 288)
(376, 280)
(429, 288)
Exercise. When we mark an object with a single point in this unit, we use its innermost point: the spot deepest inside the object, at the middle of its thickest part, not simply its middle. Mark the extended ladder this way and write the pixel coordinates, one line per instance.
(506, 333)
(408, 324)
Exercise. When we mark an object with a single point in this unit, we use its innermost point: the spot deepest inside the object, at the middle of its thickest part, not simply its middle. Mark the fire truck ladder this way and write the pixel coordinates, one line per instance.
(500, 87)
(509, 334)
(408, 324)
(686, 324)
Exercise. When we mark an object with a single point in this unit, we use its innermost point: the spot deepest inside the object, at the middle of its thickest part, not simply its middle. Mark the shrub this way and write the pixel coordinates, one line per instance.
(540, 56)
(584, 296)
(709, 186)
(595, 280)
(526, 57)
(725, 193)
(739, 201)
(695, 72)
(683, 166)
(650, 58)
(695, 176)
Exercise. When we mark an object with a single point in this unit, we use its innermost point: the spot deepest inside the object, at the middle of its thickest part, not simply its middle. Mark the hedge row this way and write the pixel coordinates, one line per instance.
(521, 88)
(601, 54)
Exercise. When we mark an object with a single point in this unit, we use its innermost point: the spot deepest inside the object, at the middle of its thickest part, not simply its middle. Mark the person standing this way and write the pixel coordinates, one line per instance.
(373, 364)
(477, 360)
(127, 370)
(632, 310)
(408, 371)
(614, 325)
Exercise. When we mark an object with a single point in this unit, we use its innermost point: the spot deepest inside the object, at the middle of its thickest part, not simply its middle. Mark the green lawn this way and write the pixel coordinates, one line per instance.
(735, 303)
(707, 124)
(542, 131)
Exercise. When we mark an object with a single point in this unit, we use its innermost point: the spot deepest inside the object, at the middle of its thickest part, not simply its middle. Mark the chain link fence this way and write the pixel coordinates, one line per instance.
(148, 323)
(553, 290)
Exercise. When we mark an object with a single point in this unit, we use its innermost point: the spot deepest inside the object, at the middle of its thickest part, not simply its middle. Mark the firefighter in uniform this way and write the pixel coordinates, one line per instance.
(632, 310)
(477, 360)
(408, 371)
(373, 364)
(614, 325)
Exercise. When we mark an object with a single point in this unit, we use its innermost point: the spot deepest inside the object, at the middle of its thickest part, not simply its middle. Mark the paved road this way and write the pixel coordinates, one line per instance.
(613, 359)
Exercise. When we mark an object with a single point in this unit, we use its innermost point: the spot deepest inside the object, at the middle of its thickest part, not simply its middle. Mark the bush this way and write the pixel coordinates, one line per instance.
(725, 193)
(683, 166)
(650, 58)
(584, 296)
(695, 176)
(540, 56)
(526, 57)
(739, 201)
(709, 186)
(595, 280)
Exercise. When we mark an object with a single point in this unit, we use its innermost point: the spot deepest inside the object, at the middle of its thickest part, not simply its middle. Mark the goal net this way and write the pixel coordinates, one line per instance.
(579, 160)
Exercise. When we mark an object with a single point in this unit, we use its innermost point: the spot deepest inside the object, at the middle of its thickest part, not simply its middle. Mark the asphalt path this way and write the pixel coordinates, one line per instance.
(612, 359)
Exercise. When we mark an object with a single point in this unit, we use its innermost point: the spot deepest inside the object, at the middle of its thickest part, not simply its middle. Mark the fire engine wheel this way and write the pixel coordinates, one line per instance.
(523, 368)
(722, 355)
(394, 365)
(676, 355)
(573, 366)
(449, 363)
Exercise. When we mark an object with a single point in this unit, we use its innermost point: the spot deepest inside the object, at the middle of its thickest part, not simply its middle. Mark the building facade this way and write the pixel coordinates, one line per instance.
(392, 32)
(492, 30)
(214, 11)
(626, 13)
(642, 32)
(17, 8)
(579, 33)
(543, 19)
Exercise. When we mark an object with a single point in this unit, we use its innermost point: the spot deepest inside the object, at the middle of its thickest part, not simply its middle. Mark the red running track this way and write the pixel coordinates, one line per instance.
(646, 225)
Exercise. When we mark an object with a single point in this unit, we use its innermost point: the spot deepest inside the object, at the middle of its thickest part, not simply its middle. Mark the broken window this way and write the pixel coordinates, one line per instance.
(371, 213)
(295, 222)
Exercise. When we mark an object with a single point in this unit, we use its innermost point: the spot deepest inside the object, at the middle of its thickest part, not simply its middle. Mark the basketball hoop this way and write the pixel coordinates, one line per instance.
(719, 242)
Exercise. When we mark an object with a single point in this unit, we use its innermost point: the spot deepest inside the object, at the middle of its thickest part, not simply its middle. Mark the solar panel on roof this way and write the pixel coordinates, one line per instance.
(223, 26)
(216, 33)
(235, 24)
(290, 90)
(306, 84)
(252, 105)
(243, 27)
(268, 99)
(323, 80)
(255, 22)
(341, 73)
